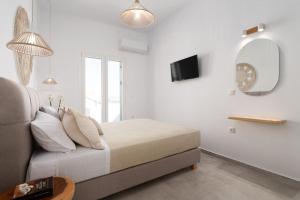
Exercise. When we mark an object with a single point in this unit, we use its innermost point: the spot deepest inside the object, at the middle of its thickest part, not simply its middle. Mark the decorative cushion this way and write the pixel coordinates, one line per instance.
(50, 135)
(81, 129)
(97, 125)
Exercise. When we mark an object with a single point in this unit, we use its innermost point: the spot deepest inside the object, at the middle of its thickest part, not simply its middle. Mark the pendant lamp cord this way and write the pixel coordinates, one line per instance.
(50, 35)
(32, 13)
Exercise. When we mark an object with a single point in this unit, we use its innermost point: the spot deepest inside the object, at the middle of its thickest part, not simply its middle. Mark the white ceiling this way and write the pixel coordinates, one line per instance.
(109, 10)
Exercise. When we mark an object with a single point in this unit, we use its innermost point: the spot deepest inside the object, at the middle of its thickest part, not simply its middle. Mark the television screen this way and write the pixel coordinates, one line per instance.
(185, 69)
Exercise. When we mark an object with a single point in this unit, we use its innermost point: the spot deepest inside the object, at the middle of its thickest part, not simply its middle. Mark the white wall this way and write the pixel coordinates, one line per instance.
(72, 36)
(212, 29)
(8, 9)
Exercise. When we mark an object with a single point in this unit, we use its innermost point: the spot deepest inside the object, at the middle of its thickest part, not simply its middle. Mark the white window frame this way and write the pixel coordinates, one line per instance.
(104, 82)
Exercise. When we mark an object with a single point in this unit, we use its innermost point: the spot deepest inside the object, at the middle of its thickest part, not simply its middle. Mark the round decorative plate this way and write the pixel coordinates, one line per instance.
(245, 76)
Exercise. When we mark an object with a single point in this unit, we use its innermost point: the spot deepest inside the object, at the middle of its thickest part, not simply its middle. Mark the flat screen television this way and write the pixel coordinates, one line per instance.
(187, 68)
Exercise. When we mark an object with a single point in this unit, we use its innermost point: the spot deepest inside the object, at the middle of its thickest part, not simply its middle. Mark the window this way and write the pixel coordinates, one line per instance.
(103, 89)
(114, 91)
(93, 88)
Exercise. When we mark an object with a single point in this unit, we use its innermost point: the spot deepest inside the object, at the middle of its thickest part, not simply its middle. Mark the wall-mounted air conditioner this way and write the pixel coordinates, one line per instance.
(134, 46)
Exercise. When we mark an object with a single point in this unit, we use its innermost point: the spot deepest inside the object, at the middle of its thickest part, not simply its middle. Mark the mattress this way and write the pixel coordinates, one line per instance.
(127, 144)
(82, 164)
(134, 142)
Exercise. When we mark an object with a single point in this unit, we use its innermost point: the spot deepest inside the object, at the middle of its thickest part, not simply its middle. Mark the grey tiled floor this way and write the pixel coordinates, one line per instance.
(215, 179)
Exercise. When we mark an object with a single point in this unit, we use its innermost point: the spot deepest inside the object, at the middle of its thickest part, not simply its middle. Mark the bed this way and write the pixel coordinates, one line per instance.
(135, 151)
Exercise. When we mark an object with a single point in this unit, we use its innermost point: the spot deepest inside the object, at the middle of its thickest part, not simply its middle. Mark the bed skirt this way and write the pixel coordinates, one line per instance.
(106, 185)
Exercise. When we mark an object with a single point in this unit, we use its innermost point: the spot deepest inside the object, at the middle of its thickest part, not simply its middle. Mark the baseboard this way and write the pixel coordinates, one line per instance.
(263, 171)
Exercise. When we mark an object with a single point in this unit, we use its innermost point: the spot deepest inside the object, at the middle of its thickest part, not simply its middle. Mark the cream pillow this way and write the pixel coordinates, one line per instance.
(97, 125)
(81, 129)
(49, 133)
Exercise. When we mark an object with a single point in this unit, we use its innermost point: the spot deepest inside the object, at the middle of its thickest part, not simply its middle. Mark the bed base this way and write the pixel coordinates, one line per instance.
(107, 185)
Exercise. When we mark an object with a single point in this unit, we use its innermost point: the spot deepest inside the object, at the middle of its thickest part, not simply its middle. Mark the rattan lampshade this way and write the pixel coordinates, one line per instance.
(137, 16)
(30, 43)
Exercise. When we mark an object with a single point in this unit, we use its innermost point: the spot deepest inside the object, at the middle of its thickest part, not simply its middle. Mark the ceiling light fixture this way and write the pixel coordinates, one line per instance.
(137, 16)
(30, 43)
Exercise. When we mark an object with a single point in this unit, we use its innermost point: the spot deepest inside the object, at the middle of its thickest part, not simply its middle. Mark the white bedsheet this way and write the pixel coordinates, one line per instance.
(80, 165)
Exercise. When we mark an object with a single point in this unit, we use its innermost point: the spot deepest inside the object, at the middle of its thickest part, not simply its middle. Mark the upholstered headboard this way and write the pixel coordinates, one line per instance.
(18, 107)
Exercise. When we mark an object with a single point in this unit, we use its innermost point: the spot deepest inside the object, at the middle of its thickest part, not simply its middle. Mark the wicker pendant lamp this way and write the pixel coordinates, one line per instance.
(30, 43)
(137, 16)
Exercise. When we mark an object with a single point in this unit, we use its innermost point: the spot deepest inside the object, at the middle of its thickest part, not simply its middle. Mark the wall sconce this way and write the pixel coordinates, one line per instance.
(259, 28)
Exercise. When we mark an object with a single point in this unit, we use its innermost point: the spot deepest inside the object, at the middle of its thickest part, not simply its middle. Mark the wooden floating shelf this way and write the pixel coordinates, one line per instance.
(257, 119)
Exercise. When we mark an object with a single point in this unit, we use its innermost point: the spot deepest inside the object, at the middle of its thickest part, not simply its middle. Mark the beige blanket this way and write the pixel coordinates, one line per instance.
(139, 141)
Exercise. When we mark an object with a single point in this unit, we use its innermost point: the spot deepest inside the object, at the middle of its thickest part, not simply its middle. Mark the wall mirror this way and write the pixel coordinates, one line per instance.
(257, 67)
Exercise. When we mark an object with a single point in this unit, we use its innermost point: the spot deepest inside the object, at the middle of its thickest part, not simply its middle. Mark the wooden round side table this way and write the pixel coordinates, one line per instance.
(63, 190)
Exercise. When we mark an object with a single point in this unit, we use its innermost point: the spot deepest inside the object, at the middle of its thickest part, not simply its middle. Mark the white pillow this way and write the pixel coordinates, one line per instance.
(50, 110)
(49, 133)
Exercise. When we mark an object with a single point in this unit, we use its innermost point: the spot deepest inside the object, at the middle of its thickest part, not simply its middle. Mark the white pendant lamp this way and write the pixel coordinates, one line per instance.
(137, 16)
(50, 80)
(30, 43)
